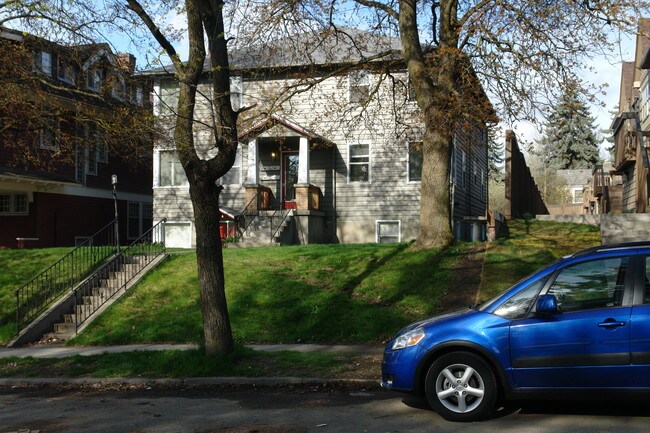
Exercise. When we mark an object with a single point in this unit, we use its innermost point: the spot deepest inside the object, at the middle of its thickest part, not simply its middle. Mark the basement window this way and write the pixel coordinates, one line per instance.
(388, 232)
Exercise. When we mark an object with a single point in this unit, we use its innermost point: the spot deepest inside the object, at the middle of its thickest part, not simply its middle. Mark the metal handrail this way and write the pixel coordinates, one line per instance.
(114, 276)
(284, 217)
(36, 295)
(247, 224)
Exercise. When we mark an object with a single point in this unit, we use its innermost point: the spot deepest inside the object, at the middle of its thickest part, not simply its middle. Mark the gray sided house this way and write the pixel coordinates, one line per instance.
(338, 161)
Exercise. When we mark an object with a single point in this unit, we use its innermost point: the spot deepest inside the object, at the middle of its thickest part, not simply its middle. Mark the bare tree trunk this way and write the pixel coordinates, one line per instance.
(209, 259)
(434, 96)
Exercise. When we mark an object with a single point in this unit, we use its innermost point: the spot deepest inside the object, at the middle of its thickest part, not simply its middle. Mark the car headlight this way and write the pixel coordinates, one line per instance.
(409, 339)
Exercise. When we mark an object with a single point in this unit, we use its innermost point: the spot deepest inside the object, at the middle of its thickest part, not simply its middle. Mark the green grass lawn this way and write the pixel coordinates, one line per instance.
(315, 293)
(17, 267)
(531, 245)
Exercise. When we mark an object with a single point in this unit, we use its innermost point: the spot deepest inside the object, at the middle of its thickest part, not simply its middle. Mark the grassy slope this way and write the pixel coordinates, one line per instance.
(16, 268)
(531, 245)
(317, 293)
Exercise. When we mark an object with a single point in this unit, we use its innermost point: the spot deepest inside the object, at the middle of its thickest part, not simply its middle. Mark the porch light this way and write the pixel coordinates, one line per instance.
(274, 155)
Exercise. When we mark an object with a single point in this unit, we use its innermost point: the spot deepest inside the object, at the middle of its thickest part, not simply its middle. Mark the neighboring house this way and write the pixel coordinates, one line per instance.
(631, 126)
(55, 174)
(342, 160)
(603, 192)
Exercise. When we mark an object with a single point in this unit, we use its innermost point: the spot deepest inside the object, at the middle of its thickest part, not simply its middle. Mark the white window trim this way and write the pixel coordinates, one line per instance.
(408, 162)
(44, 67)
(12, 211)
(156, 171)
(97, 77)
(399, 228)
(354, 76)
(369, 162)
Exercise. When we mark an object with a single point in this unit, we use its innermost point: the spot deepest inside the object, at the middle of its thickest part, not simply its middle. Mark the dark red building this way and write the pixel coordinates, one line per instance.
(57, 156)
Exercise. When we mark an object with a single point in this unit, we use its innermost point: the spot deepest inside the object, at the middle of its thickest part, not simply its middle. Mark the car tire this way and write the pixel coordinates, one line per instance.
(461, 386)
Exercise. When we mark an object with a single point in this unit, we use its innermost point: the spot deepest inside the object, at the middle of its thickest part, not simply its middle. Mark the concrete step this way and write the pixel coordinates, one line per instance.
(63, 328)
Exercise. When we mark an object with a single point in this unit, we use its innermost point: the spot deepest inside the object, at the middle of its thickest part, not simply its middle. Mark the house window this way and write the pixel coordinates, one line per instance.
(91, 150)
(119, 88)
(577, 195)
(13, 203)
(415, 161)
(43, 62)
(139, 219)
(236, 92)
(64, 71)
(168, 97)
(80, 166)
(233, 177)
(459, 175)
(388, 232)
(94, 77)
(359, 163)
(139, 98)
(47, 136)
(483, 185)
(101, 148)
(359, 83)
(171, 171)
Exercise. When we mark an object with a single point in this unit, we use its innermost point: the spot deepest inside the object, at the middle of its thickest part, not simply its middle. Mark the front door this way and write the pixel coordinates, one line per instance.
(289, 179)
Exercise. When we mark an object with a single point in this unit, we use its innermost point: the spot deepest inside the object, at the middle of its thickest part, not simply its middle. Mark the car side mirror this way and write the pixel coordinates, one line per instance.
(547, 304)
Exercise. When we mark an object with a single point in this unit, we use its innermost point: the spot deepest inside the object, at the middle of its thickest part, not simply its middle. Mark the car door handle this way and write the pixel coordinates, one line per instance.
(611, 323)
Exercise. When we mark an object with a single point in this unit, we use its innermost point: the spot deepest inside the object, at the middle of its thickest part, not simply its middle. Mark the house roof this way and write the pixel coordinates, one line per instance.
(318, 48)
(273, 120)
(575, 178)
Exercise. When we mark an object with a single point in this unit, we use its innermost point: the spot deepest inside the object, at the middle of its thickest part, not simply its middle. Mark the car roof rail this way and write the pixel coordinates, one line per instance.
(611, 247)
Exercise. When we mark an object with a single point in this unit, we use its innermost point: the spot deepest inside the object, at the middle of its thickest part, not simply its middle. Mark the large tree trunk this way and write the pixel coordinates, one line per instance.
(435, 96)
(435, 215)
(209, 260)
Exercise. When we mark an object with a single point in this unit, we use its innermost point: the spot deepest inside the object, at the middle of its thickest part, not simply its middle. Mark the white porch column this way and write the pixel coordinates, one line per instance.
(303, 161)
(252, 177)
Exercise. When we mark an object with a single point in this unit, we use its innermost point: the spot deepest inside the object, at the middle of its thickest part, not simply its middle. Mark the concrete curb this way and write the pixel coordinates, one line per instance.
(197, 381)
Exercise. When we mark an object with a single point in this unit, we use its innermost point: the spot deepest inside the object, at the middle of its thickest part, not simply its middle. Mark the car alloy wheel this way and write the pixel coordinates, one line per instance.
(460, 386)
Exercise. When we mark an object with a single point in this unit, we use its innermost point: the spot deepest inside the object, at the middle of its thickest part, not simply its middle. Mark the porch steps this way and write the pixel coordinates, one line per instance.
(266, 229)
(105, 288)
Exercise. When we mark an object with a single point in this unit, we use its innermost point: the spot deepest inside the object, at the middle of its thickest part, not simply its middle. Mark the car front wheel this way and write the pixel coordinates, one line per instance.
(460, 386)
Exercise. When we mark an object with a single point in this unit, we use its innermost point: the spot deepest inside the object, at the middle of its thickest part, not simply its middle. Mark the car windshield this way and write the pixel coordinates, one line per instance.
(487, 304)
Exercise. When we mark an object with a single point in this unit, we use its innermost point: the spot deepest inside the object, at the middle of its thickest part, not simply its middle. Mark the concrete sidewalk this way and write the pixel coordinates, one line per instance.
(61, 351)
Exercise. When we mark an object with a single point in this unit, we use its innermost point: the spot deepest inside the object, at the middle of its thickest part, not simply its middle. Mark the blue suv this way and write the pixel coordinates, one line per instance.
(580, 324)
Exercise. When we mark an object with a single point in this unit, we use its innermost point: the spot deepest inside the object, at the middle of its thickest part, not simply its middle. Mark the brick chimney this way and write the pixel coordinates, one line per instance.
(126, 62)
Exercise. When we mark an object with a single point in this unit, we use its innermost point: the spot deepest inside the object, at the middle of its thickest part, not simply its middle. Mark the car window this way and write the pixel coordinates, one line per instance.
(591, 285)
(646, 279)
(517, 306)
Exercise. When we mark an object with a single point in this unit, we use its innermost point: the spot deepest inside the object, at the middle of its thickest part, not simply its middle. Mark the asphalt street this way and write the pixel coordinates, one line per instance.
(289, 409)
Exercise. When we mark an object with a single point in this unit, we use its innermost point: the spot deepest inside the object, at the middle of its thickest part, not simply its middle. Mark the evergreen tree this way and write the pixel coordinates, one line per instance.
(569, 140)
(495, 153)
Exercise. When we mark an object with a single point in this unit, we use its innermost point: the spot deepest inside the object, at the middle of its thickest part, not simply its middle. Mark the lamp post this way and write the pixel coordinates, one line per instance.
(117, 224)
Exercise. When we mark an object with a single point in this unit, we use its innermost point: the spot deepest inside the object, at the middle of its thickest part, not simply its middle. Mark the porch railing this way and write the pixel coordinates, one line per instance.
(103, 285)
(34, 297)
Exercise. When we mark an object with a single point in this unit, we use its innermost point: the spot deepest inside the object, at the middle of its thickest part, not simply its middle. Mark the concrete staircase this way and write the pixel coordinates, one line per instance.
(74, 312)
(96, 294)
(269, 228)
